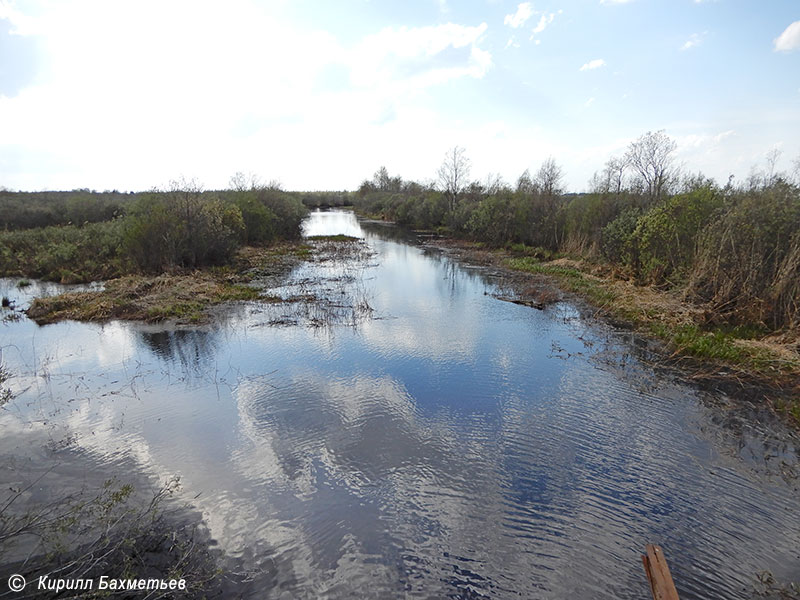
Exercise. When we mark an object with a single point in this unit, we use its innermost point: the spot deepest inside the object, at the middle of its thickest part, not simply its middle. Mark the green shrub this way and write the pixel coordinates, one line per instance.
(618, 242)
(183, 229)
(65, 253)
(667, 234)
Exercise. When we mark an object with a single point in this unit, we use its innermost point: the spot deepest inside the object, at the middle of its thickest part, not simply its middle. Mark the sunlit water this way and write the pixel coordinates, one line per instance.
(449, 445)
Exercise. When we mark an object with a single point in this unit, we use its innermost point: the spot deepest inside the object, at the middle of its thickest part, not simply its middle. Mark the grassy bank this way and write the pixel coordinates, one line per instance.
(745, 353)
(742, 351)
(184, 297)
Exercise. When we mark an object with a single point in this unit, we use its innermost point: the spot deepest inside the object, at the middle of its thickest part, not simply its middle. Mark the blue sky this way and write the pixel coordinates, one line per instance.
(318, 95)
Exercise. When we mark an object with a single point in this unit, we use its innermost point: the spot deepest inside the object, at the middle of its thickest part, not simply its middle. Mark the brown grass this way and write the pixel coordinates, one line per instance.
(182, 297)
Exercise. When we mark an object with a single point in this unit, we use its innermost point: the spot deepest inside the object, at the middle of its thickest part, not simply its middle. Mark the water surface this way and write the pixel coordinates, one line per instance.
(439, 443)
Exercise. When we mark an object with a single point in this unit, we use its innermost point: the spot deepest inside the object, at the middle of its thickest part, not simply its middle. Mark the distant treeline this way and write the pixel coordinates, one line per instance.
(83, 236)
(734, 248)
(28, 210)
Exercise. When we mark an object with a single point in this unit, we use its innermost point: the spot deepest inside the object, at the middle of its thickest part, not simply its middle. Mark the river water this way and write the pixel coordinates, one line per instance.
(435, 442)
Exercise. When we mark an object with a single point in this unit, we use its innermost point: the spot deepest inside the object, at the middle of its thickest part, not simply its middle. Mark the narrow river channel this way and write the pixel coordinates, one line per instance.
(436, 443)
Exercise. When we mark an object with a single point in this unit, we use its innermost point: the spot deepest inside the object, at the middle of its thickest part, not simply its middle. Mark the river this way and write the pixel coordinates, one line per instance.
(435, 442)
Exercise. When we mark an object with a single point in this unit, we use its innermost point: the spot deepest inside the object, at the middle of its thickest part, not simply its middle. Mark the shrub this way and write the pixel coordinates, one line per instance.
(182, 230)
(618, 243)
(667, 234)
(65, 253)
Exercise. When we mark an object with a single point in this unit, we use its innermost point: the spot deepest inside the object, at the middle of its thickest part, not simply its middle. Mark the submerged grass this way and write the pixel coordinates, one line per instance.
(183, 297)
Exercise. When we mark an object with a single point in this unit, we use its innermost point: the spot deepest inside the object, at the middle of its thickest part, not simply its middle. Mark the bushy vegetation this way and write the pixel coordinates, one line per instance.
(748, 263)
(666, 236)
(80, 236)
(26, 210)
(733, 250)
(66, 253)
(181, 229)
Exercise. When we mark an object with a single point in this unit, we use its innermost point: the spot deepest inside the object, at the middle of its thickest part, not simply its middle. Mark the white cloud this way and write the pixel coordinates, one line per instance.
(789, 39)
(593, 64)
(589, 102)
(544, 21)
(241, 90)
(419, 56)
(22, 23)
(694, 40)
(615, 1)
(518, 19)
(702, 140)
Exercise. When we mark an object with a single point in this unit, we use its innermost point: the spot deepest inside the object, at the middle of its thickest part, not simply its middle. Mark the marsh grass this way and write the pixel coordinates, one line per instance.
(108, 531)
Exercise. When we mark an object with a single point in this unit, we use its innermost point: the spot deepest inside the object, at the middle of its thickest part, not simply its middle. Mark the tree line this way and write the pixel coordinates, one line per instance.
(733, 248)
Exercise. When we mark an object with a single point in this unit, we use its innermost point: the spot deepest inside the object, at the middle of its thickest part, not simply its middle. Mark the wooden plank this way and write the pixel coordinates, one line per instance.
(655, 566)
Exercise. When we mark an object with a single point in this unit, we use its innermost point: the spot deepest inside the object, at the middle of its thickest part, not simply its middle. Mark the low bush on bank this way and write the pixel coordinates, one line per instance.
(183, 228)
(67, 253)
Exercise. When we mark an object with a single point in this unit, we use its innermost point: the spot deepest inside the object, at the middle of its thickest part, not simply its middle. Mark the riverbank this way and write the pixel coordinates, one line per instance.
(186, 298)
(745, 355)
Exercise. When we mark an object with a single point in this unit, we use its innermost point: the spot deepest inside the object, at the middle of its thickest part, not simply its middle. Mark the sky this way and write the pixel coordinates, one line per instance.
(319, 95)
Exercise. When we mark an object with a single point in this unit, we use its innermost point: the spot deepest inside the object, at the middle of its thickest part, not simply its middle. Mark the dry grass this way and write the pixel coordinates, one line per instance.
(183, 297)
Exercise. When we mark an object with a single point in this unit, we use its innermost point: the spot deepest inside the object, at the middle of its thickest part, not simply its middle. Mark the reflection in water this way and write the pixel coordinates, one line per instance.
(190, 347)
(450, 446)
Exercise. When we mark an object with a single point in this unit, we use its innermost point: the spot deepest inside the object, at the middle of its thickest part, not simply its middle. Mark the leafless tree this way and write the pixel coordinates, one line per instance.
(525, 184)
(240, 182)
(549, 178)
(772, 160)
(494, 184)
(651, 158)
(381, 179)
(453, 175)
(614, 174)
(796, 170)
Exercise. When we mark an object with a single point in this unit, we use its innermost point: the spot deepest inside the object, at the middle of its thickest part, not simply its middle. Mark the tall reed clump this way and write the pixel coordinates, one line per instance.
(747, 269)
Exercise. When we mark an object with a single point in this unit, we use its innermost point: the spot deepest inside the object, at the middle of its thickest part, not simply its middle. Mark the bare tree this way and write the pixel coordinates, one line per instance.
(772, 160)
(651, 157)
(239, 182)
(381, 179)
(796, 170)
(525, 184)
(494, 184)
(614, 172)
(453, 175)
(549, 177)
